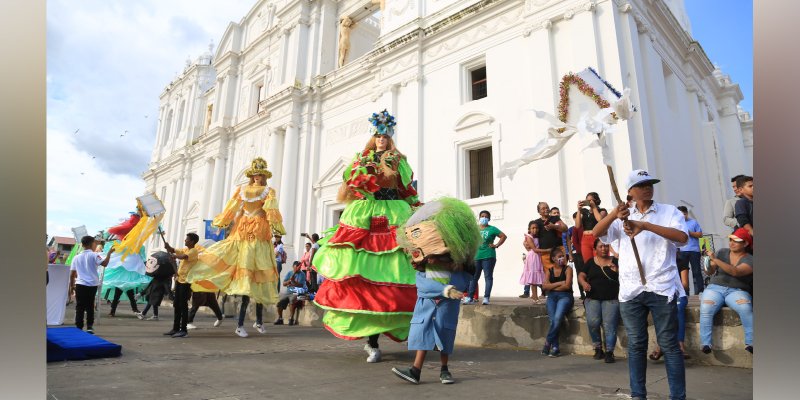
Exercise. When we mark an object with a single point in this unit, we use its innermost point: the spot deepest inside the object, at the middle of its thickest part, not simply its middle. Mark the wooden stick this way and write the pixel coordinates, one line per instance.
(633, 242)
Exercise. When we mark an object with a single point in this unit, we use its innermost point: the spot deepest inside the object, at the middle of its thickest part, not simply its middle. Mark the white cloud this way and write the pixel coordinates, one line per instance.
(107, 61)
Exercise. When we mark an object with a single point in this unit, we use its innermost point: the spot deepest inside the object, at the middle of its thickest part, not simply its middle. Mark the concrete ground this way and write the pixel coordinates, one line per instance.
(298, 362)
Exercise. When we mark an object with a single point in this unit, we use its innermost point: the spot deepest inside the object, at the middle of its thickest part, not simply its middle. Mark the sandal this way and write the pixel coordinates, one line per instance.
(656, 355)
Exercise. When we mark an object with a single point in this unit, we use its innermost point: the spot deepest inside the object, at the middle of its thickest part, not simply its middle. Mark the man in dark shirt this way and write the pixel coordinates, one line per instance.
(744, 207)
(550, 230)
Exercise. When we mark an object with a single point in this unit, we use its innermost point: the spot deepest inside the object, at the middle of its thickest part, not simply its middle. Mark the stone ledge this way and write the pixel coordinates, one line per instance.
(510, 323)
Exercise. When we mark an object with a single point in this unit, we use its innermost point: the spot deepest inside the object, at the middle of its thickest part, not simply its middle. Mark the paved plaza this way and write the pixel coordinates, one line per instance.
(298, 362)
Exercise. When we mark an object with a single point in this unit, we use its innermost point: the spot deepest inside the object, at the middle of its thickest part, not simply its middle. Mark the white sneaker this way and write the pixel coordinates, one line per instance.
(260, 328)
(191, 326)
(139, 315)
(217, 322)
(374, 355)
(241, 332)
(153, 318)
(468, 300)
(485, 301)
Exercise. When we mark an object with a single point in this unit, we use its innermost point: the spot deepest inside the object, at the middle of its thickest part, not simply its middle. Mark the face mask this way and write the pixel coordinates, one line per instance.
(483, 221)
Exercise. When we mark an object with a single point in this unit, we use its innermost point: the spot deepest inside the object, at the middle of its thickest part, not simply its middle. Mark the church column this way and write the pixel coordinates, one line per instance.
(216, 186)
(171, 209)
(205, 203)
(275, 159)
(287, 201)
(186, 180)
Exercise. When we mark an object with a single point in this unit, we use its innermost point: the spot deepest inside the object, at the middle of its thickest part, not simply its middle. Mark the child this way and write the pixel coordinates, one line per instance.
(85, 279)
(532, 271)
(442, 239)
(183, 291)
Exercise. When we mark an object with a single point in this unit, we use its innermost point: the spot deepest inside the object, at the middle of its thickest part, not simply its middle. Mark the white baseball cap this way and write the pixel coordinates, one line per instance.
(639, 176)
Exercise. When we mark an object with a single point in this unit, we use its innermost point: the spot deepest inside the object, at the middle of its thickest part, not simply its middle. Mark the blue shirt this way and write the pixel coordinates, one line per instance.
(694, 243)
(300, 277)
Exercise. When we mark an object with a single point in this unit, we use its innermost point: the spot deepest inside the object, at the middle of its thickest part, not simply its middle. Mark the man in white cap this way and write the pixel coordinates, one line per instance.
(659, 229)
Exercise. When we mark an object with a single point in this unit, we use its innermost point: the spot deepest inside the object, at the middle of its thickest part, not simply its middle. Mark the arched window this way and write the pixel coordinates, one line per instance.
(180, 118)
(167, 126)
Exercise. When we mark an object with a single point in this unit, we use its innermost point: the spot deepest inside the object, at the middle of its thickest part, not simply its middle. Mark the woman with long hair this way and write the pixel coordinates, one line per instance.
(244, 262)
(558, 284)
(369, 286)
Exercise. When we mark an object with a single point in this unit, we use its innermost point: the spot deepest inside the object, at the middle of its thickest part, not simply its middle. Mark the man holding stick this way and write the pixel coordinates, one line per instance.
(658, 229)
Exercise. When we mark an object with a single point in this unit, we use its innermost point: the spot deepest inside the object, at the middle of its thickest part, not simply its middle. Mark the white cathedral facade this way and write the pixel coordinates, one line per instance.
(294, 81)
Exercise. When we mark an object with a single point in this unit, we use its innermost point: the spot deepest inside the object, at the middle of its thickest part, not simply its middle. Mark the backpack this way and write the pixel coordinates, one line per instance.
(281, 257)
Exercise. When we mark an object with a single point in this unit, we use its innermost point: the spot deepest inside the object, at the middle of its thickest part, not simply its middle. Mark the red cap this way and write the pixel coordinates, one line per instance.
(742, 234)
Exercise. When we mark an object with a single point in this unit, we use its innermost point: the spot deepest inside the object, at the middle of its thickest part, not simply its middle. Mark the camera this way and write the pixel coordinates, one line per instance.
(303, 234)
(586, 203)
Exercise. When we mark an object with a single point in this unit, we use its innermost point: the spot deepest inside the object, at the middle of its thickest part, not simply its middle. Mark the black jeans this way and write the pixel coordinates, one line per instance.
(207, 299)
(84, 302)
(243, 311)
(181, 304)
(118, 294)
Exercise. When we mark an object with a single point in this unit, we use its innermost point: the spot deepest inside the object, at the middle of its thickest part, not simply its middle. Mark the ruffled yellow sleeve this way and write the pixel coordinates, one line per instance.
(229, 212)
(273, 215)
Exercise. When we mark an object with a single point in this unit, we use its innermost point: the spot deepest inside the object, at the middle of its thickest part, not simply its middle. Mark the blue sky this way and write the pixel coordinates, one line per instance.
(725, 30)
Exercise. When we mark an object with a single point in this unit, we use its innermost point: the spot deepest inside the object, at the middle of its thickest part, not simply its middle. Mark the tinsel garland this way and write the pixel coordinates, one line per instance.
(563, 105)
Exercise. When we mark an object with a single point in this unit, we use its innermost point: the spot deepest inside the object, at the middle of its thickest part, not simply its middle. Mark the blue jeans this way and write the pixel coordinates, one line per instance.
(712, 300)
(665, 318)
(558, 305)
(487, 266)
(692, 258)
(605, 313)
(682, 302)
(526, 290)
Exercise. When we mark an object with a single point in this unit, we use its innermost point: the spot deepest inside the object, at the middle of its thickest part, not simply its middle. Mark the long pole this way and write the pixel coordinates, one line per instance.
(633, 242)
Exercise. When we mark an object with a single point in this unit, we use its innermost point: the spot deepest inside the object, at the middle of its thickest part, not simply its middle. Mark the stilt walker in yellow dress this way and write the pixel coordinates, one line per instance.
(244, 263)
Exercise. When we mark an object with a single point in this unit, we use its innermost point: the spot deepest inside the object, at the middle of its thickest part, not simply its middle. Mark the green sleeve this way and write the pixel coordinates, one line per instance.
(406, 174)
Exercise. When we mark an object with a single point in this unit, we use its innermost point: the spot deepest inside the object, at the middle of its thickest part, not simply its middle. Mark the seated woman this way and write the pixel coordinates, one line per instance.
(731, 285)
(558, 284)
(600, 281)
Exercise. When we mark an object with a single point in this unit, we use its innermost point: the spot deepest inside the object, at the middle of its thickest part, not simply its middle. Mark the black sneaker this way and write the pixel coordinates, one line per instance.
(749, 349)
(291, 321)
(407, 374)
(524, 296)
(180, 334)
(610, 357)
(706, 349)
(278, 321)
(598, 354)
(170, 333)
(554, 352)
(446, 377)
(546, 349)
(90, 331)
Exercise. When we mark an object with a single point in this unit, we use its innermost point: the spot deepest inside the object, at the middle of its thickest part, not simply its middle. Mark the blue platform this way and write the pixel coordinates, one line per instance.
(71, 343)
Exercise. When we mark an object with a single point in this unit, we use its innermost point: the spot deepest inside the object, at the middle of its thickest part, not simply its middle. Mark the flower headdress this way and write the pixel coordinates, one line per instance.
(382, 123)
(258, 167)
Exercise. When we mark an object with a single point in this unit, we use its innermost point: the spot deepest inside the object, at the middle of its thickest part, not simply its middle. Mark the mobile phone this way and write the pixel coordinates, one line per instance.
(585, 203)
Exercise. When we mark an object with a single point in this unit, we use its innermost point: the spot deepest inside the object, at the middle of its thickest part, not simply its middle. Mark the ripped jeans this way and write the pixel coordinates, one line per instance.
(713, 298)
(603, 313)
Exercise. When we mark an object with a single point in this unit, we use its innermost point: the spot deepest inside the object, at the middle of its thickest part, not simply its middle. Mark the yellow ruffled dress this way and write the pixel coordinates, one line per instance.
(243, 263)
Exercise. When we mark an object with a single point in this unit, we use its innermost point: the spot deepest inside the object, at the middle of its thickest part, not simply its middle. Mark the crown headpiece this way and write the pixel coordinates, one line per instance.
(382, 123)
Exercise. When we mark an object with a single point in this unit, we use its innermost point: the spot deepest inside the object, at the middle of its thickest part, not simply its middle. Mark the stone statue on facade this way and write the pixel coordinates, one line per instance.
(345, 26)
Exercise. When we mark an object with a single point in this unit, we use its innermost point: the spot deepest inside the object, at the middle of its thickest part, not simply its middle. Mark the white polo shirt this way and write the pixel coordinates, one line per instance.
(86, 264)
(657, 254)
